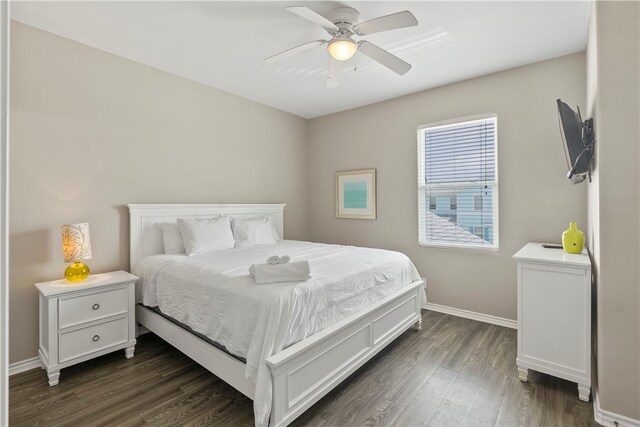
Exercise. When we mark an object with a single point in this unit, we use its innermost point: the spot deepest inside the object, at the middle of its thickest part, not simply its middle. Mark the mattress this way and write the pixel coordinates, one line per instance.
(214, 295)
(198, 334)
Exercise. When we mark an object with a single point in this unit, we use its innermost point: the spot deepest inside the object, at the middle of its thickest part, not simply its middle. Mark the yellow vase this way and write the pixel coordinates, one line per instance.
(573, 239)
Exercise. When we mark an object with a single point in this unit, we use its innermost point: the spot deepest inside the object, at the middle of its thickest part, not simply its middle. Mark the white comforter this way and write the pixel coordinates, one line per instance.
(214, 294)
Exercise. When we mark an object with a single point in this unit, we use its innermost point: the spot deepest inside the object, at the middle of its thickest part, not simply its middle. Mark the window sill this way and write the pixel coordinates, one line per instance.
(493, 250)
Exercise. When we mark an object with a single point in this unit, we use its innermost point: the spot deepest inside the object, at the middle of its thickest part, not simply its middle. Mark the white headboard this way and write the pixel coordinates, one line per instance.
(145, 236)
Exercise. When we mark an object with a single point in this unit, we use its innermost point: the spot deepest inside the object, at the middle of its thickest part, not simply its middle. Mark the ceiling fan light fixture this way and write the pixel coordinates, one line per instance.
(342, 49)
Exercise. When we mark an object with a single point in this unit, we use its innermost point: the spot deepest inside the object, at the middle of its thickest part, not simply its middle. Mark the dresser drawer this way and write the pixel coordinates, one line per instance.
(76, 310)
(94, 338)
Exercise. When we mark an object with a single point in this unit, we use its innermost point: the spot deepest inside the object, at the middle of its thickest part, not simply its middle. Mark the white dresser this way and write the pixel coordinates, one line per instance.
(554, 314)
(80, 321)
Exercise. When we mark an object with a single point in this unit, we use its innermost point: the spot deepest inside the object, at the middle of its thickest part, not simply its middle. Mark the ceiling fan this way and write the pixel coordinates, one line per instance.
(342, 24)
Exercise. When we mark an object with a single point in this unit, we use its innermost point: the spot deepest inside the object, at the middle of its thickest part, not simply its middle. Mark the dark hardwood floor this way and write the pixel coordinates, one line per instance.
(454, 372)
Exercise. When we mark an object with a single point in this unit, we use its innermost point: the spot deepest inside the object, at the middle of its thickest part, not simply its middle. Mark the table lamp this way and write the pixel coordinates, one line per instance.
(76, 246)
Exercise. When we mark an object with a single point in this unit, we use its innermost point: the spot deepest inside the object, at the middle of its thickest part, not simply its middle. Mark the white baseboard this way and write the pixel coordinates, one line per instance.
(610, 419)
(24, 365)
(481, 317)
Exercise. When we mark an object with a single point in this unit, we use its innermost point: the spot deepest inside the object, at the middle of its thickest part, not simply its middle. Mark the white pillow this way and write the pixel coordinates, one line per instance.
(206, 235)
(254, 231)
(172, 238)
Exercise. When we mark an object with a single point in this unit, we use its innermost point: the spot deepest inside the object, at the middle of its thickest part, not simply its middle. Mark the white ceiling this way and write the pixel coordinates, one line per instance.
(223, 44)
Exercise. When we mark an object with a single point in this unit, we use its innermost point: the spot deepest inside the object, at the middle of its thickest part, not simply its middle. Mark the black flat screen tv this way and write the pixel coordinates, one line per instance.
(578, 142)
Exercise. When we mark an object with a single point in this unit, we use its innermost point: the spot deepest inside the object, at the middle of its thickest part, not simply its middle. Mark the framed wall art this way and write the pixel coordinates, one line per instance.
(356, 194)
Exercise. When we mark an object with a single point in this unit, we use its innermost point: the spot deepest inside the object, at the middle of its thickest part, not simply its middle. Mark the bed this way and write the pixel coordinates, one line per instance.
(283, 345)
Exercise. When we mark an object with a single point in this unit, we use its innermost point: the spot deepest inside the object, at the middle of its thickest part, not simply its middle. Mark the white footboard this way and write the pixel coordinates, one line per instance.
(306, 371)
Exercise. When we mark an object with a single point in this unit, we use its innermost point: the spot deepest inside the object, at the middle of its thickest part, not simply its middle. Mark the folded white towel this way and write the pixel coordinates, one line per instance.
(273, 260)
(273, 273)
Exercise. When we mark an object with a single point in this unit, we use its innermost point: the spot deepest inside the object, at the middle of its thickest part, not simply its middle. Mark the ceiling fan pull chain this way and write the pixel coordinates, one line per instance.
(355, 62)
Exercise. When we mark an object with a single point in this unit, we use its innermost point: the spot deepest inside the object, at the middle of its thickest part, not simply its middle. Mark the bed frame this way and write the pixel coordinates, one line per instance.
(304, 372)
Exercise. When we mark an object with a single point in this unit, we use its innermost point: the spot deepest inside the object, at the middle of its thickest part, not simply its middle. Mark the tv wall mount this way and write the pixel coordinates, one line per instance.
(589, 140)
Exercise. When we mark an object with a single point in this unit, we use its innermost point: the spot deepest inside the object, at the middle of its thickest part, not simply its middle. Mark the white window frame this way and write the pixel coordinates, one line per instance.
(495, 197)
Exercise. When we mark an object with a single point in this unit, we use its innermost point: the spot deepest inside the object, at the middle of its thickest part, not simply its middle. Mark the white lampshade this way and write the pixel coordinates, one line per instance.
(342, 49)
(76, 242)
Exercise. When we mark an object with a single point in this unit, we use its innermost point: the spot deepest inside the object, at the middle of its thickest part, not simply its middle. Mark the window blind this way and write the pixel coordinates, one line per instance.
(458, 185)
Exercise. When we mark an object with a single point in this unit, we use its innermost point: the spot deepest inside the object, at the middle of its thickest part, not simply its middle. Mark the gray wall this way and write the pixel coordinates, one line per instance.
(613, 94)
(536, 200)
(91, 132)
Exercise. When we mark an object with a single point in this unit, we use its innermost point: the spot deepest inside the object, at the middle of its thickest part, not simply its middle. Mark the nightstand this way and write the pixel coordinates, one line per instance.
(80, 321)
(554, 315)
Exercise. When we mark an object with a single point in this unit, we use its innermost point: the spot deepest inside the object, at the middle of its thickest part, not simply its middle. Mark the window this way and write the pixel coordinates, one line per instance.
(477, 203)
(432, 203)
(457, 161)
(487, 233)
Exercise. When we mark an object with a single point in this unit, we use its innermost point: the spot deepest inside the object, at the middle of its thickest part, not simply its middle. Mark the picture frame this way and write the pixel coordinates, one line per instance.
(356, 194)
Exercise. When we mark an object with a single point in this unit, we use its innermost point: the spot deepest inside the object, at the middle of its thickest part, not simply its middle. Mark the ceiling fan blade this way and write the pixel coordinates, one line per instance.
(335, 70)
(387, 59)
(312, 16)
(293, 51)
(385, 23)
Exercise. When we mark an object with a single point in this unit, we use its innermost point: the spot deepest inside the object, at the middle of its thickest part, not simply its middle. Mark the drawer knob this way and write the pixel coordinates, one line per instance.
(95, 306)
(96, 337)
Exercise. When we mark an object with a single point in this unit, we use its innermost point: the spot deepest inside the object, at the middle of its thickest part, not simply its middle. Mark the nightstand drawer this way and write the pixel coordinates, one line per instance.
(87, 308)
(94, 338)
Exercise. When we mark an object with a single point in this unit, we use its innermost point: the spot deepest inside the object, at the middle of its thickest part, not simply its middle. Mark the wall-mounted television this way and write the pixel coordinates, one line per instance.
(578, 141)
